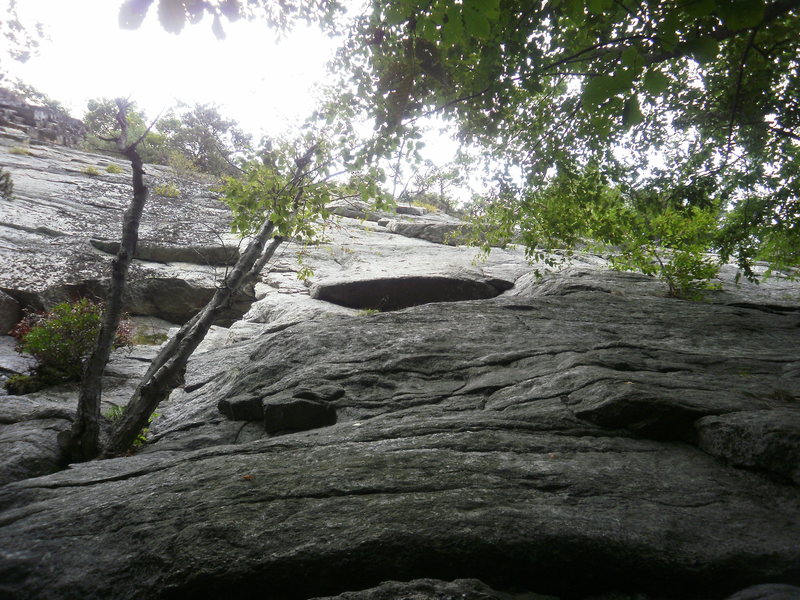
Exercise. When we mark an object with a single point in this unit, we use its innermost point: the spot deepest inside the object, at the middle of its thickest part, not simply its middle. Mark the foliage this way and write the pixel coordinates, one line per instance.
(368, 312)
(207, 139)
(19, 384)
(708, 89)
(167, 190)
(182, 165)
(149, 339)
(62, 338)
(428, 206)
(21, 151)
(431, 186)
(580, 209)
(187, 139)
(174, 15)
(20, 42)
(31, 95)
(91, 171)
(291, 189)
(100, 119)
(113, 168)
(115, 413)
(6, 185)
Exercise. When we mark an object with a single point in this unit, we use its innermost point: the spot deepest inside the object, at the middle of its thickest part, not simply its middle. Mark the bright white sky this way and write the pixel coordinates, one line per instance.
(261, 82)
(264, 83)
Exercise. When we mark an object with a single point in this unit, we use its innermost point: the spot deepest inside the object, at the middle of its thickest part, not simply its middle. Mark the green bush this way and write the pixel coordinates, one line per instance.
(61, 340)
(167, 190)
(19, 385)
(6, 185)
(91, 171)
(113, 168)
(115, 414)
(21, 150)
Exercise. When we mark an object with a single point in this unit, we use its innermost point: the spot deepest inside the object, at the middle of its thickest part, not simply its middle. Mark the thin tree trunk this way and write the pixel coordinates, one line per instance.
(84, 440)
(167, 370)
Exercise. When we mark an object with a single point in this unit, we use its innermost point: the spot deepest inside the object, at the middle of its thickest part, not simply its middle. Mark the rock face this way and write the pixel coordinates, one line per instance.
(57, 230)
(37, 122)
(574, 436)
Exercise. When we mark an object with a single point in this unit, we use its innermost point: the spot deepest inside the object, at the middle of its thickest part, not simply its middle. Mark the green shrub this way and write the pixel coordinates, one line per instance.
(115, 413)
(21, 150)
(167, 190)
(113, 168)
(6, 185)
(367, 312)
(427, 206)
(61, 339)
(182, 165)
(149, 339)
(91, 171)
(19, 385)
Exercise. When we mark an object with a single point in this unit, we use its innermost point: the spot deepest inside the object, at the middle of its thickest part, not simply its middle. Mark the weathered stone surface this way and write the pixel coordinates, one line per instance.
(414, 211)
(214, 256)
(30, 424)
(768, 591)
(30, 448)
(434, 589)
(11, 362)
(45, 230)
(759, 439)
(355, 209)
(39, 122)
(242, 408)
(9, 313)
(548, 440)
(436, 232)
(296, 414)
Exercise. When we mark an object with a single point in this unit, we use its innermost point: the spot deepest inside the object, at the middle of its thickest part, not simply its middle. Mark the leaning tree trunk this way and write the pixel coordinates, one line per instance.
(167, 370)
(83, 443)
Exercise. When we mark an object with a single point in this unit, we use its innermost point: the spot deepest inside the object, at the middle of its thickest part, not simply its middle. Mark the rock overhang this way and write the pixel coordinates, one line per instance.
(403, 291)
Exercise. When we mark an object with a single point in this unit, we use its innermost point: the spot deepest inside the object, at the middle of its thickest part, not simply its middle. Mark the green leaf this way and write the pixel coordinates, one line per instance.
(597, 90)
(631, 113)
(655, 82)
(476, 23)
(698, 8)
(453, 30)
(633, 60)
(598, 7)
(172, 15)
(574, 10)
(394, 13)
(132, 13)
(668, 30)
(704, 49)
(741, 14)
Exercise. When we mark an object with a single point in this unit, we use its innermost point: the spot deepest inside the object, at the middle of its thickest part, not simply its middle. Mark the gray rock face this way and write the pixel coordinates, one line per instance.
(436, 232)
(758, 439)
(575, 436)
(200, 255)
(9, 313)
(459, 449)
(46, 230)
(769, 591)
(433, 589)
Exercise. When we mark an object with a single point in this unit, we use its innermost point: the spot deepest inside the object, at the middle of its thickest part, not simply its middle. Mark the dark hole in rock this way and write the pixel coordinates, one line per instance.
(295, 414)
(393, 293)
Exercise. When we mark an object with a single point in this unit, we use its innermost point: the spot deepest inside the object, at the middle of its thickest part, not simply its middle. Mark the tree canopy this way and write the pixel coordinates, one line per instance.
(680, 105)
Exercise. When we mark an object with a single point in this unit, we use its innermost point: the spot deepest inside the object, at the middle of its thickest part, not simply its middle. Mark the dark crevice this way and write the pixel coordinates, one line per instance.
(394, 293)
